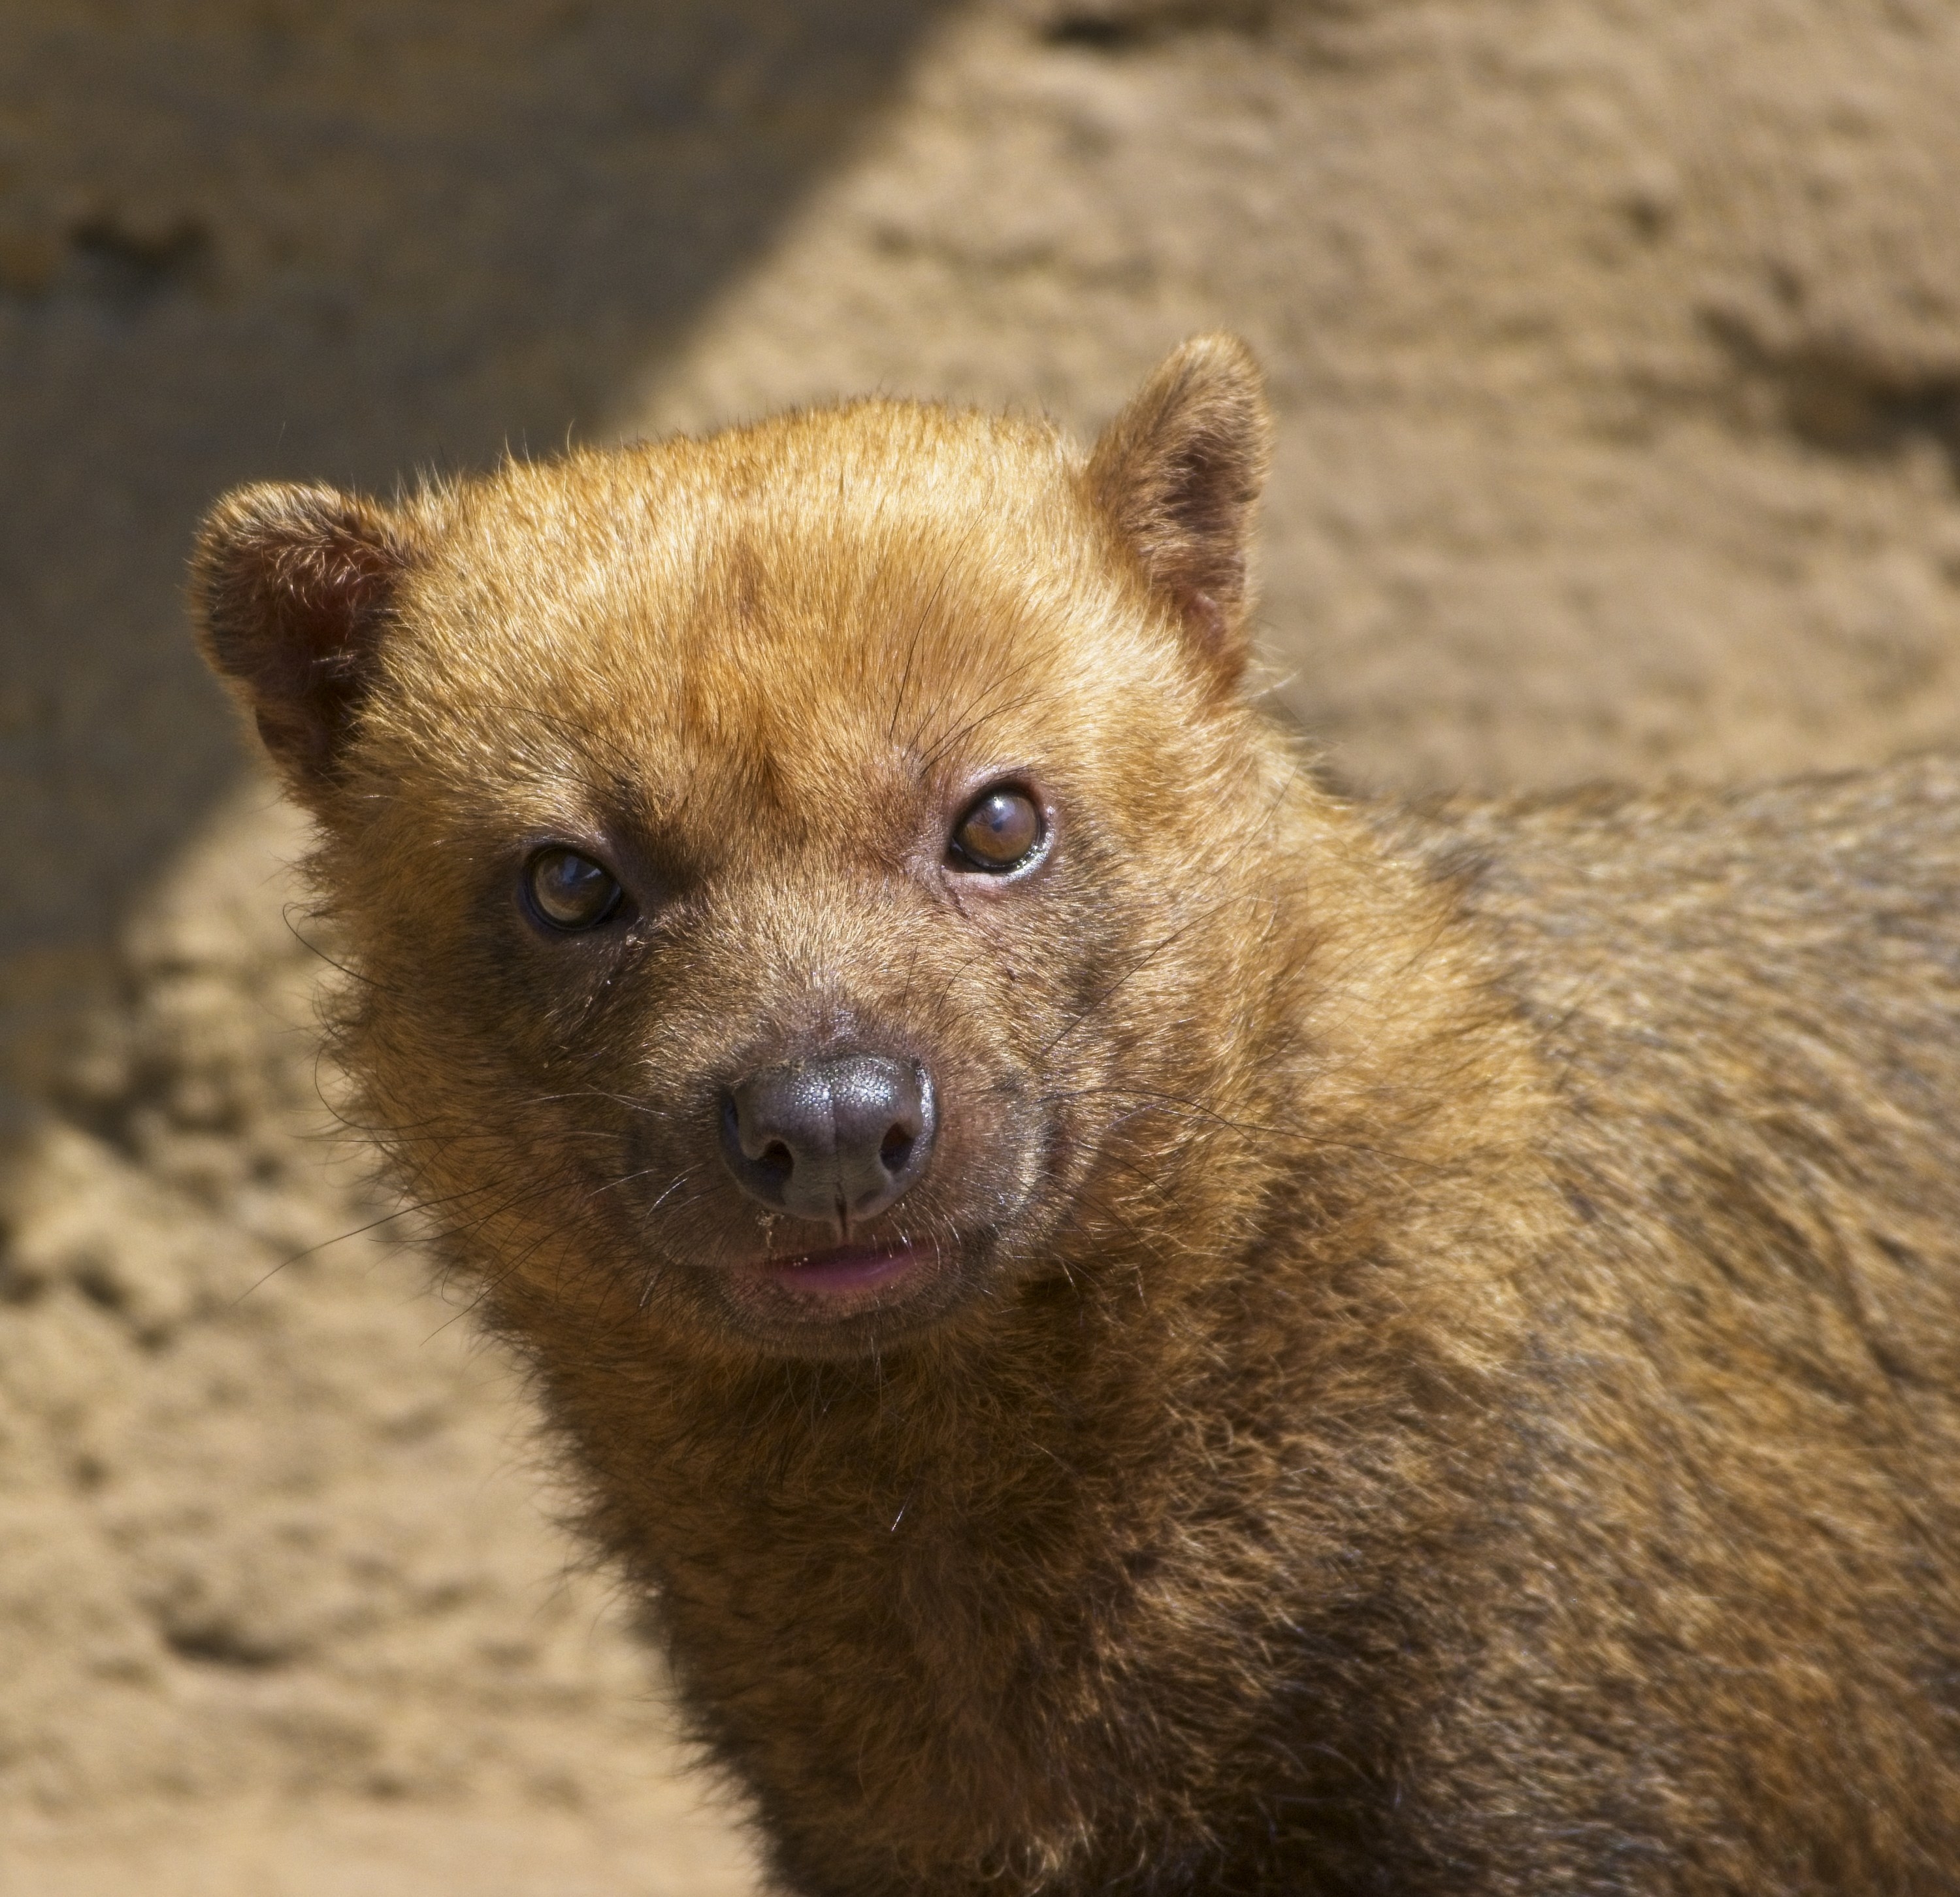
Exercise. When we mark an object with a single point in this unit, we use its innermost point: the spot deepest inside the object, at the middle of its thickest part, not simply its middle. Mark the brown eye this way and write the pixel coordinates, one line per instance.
(1001, 830)
(570, 891)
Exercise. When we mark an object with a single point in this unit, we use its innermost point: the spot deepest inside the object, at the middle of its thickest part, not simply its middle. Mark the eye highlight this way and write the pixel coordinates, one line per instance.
(1001, 830)
(569, 892)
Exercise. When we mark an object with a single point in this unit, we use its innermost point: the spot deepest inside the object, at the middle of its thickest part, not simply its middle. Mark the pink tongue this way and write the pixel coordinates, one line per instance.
(846, 1269)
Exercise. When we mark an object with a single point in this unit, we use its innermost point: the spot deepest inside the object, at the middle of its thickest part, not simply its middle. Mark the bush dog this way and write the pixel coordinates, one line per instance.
(1141, 1326)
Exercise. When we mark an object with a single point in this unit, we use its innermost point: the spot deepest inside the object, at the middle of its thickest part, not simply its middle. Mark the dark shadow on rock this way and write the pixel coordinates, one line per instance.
(264, 238)
(1833, 392)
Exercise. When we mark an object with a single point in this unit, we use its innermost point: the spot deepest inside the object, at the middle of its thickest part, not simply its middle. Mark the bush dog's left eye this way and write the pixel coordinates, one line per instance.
(570, 891)
(1001, 830)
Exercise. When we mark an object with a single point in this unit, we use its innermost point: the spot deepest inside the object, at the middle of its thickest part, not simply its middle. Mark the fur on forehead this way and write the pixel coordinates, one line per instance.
(901, 569)
(878, 557)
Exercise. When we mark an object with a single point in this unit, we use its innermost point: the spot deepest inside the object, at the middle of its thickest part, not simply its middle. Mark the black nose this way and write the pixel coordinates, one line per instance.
(836, 1140)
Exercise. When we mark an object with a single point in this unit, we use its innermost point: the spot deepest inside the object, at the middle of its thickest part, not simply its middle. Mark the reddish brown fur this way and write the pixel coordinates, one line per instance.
(1441, 1376)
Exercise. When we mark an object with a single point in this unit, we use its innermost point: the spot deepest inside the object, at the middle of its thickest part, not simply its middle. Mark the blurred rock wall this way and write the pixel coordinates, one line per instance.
(1617, 352)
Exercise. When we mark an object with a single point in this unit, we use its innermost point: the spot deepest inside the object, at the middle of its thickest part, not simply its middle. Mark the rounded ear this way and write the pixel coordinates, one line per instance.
(1178, 474)
(291, 588)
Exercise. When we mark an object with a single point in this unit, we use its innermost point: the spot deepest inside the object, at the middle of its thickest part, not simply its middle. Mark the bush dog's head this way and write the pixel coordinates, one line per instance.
(782, 870)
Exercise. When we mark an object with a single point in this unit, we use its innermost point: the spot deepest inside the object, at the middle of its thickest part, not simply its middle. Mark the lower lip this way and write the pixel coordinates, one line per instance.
(843, 1269)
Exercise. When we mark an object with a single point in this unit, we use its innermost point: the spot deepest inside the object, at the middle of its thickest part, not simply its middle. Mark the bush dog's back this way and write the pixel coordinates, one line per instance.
(1143, 1327)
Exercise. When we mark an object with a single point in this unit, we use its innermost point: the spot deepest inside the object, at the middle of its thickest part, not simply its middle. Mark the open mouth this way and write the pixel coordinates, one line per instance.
(841, 1300)
(843, 1269)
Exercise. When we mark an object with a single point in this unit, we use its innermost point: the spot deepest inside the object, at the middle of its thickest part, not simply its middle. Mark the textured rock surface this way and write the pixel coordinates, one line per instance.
(1617, 352)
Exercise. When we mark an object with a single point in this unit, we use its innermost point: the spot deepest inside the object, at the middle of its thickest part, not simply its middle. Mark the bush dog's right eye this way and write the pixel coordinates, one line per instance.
(569, 891)
(1001, 830)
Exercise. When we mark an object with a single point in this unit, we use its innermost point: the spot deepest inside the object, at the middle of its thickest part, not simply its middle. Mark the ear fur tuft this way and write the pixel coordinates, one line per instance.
(291, 588)
(1179, 473)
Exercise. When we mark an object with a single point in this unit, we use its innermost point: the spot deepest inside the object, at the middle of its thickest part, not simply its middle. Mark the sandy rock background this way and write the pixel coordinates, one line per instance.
(1617, 349)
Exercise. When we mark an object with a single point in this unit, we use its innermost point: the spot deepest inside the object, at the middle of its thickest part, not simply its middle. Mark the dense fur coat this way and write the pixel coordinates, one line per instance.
(1422, 1355)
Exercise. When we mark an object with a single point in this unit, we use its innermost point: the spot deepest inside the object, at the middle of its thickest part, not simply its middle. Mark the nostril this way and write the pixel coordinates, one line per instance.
(777, 1159)
(896, 1148)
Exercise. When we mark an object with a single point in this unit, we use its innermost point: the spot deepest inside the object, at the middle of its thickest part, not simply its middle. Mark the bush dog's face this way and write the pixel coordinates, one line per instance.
(740, 841)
